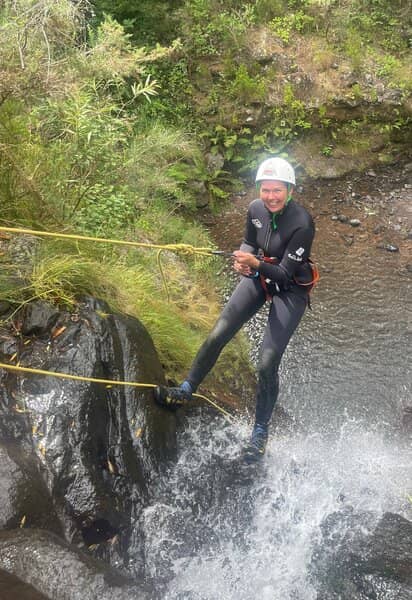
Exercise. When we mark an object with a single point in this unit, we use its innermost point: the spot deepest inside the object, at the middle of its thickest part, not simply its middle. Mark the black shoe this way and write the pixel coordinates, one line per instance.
(255, 450)
(171, 397)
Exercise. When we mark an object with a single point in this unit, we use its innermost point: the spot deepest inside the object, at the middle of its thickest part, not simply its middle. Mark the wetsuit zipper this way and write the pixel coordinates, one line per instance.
(267, 239)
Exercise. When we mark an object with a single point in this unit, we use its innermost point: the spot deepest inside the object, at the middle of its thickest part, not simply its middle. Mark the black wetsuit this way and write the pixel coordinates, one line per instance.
(287, 236)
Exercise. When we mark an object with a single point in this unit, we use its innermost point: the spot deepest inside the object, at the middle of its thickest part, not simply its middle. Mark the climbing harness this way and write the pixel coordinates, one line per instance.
(268, 282)
(107, 382)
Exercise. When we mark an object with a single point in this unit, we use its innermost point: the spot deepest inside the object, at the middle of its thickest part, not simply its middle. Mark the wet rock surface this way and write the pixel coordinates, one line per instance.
(56, 570)
(78, 457)
(13, 588)
(363, 556)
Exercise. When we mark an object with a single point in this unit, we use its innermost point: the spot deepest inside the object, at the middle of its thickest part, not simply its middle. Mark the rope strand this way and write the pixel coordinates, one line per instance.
(183, 248)
(108, 382)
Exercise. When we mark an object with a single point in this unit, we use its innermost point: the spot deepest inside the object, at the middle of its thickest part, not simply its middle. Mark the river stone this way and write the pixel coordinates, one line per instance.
(39, 317)
(354, 222)
(60, 571)
(391, 248)
(363, 555)
(343, 218)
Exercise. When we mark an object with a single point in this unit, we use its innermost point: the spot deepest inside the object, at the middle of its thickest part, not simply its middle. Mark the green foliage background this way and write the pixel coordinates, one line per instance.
(111, 114)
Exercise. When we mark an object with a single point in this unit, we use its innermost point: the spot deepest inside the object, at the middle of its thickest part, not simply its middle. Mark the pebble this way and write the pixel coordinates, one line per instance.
(343, 218)
(355, 222)
(389, 247)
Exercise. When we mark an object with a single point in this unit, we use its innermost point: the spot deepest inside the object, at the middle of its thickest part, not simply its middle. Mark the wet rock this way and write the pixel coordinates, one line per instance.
(24, 497)
(363, 556)
(58, 570)
(39, 318)
(12, 588)
(99, 447)
(9, 346)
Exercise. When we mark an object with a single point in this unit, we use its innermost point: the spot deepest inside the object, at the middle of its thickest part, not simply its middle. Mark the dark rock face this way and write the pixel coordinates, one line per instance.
(23, 493)
(78, 458)
(362, 556)
(56, 570)
(12, 588)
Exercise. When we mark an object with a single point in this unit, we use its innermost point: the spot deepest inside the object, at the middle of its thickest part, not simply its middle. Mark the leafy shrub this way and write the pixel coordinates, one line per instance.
(245, 88)
(210, 27)
(284, 26)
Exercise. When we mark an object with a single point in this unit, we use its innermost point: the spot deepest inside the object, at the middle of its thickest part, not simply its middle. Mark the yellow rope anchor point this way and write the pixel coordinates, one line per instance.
(107, 382)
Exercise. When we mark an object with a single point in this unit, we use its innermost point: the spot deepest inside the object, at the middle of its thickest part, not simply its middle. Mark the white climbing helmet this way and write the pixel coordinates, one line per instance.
(277, 169)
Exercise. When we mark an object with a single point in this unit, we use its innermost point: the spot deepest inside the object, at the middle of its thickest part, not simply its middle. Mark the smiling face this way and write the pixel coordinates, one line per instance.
(274, 195)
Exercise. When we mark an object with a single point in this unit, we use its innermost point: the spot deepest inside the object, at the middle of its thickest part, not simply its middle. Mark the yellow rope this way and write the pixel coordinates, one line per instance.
(159, 265)
(183, 248)
(108, 382)
(75, 377)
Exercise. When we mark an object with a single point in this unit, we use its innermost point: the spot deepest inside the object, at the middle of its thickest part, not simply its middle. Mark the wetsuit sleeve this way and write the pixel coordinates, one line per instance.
(249, 243)
(296, 253)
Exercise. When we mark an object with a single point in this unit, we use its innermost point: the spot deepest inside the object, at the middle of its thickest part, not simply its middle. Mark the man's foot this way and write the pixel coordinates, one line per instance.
(173, 397)
(255, 450)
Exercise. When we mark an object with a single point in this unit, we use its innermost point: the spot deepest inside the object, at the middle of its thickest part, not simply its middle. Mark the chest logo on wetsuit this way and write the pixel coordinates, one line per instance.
(257, 223)
(298, 255)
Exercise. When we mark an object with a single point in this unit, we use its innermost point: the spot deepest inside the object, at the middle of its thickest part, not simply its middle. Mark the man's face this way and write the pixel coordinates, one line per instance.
(274, 195)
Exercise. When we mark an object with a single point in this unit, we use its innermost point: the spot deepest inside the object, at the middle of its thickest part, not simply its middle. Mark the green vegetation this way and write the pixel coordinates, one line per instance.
(78, 154)
(119, 119)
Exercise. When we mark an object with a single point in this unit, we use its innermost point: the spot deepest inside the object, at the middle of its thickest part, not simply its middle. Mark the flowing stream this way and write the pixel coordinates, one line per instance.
(221, 530)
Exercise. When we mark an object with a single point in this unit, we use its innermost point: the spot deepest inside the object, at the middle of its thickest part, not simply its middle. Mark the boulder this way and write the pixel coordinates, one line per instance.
(362, 556)
(55, 570)
(89, 449)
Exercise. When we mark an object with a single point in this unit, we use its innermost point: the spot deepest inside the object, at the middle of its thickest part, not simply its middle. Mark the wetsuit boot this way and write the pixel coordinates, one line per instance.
(255, 450)
(173, 397)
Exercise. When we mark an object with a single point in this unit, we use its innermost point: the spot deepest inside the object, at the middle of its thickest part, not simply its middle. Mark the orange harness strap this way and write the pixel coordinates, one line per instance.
(310, 284)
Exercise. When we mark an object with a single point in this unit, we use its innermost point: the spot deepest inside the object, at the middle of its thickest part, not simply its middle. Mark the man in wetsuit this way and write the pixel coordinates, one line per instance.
(280, 229)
